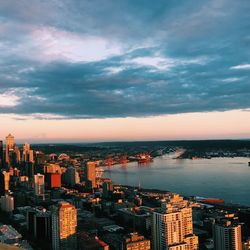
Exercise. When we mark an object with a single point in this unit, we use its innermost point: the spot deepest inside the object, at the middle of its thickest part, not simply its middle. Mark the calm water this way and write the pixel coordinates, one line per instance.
(226, 178)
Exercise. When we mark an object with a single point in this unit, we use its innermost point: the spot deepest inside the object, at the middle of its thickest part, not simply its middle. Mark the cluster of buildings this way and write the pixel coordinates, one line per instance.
(61, 202)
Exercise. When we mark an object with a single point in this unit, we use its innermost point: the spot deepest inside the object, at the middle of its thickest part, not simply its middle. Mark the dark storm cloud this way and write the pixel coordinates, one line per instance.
(87, 59)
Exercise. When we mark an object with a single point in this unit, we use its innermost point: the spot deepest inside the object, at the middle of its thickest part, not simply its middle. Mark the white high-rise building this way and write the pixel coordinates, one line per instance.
(39, 184)
(172, 226)
(227, 235)
(64, 223)
(7, 203)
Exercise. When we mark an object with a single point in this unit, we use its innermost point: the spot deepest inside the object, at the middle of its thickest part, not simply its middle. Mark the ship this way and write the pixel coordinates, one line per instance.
(144, 158)
(209, 200)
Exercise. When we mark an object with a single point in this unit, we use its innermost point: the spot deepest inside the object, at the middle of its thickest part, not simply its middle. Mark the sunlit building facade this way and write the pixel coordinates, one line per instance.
(39, 184)
(172, 227)
(64, 223)
(227, 235)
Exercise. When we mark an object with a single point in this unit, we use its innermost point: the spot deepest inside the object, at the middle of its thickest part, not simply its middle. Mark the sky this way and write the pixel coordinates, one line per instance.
(107, 70)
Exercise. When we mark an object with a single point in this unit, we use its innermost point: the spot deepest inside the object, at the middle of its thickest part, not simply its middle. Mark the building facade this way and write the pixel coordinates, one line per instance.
(136, 242)
(64, 223)
(39, 184)
(227, 235)
(172, 227)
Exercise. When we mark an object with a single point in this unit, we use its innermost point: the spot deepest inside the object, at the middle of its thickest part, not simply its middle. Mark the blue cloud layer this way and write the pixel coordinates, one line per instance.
(87, 59)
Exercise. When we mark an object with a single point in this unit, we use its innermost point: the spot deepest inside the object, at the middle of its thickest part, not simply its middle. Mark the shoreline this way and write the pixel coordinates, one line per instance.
(155, 190)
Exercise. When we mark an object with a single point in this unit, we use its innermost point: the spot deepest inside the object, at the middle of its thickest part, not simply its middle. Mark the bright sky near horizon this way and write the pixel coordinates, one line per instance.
(124, 70)
(214, 125)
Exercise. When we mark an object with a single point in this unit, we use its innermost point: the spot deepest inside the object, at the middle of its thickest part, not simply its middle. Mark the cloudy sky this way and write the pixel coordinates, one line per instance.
(124, 69)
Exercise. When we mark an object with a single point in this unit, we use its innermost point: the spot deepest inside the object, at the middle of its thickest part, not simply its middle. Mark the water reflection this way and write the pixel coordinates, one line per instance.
(226, 178)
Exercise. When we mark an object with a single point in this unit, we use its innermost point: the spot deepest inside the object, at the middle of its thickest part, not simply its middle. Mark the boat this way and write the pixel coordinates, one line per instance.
(209, 200)
(144, 158)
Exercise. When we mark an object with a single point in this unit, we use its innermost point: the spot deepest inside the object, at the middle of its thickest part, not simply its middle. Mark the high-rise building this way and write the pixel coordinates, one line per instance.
(107, 188)
(52, 168)
(53, 180)
(7, 203)
(39, 184)
(40, 157)
(246, 244)
(227, 235)
(4, 181)
(10, 144)
(136, 242)
(64, 223)
(17, 155)
(39, 223)
(71, 176)
(90, 173)
(1, 155)
(28, 155)
(172, 226)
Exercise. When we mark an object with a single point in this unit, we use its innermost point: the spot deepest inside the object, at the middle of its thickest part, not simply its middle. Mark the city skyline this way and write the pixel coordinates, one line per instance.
(124, 70)
(124, 125)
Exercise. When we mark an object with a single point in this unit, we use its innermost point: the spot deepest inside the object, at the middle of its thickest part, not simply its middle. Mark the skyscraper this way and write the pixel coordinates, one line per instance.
(39, 184)
(10, 143)
(227, 235)
(107, 188)
(39, 223)
(90, 173)
(28, 155)
(53, 180)
(172, 226)
(71, 177)
(64, 223)
(4, 181)
(2, 184)
(7, 203)
(1, 154)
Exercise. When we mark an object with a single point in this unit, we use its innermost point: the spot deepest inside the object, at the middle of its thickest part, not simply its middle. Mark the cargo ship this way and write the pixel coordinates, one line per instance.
(209, 200)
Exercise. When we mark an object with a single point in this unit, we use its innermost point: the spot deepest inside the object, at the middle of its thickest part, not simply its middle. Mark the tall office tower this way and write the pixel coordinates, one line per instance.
(4, 181)
(39, 223)
(107, 188)
(1, 155)
(10, 143)
(26, 150)
(64, 223)
(2, 184)
(7, 203)
(136, 242)
(90, 173)
(28, 155)
(71, 176)
(17, 155)
(39, 184)
(227, 235)
(53, 180)
(39, 157)
(172, 227)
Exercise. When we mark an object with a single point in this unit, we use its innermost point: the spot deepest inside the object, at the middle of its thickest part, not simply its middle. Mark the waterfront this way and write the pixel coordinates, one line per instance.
(226, 178)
